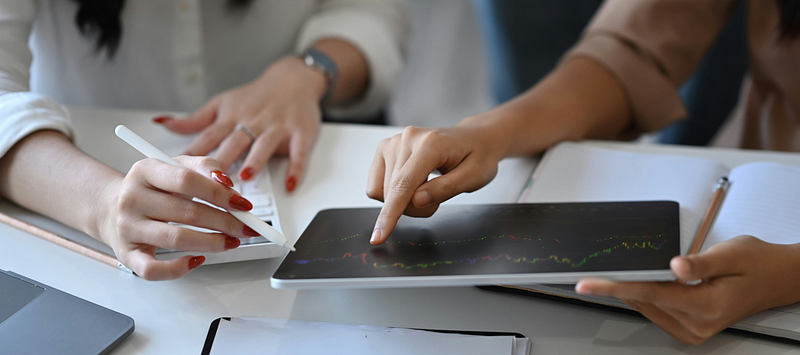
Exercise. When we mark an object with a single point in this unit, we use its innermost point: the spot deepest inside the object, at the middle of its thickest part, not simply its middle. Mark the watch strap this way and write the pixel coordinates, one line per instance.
(320, 61)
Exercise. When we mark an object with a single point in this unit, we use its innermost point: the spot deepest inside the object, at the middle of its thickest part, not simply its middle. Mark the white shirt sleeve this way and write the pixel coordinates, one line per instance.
(22, 112)
(379, 29)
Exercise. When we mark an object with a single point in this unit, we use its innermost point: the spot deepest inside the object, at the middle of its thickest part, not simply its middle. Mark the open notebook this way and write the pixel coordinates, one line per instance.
(762, 201)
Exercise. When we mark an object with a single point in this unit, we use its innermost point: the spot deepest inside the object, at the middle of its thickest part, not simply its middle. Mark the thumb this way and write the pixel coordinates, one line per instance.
(195, 122)
(720, 261)
(466, 177)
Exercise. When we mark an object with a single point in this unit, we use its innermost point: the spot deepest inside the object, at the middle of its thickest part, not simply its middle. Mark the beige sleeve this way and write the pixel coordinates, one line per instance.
(651, 47)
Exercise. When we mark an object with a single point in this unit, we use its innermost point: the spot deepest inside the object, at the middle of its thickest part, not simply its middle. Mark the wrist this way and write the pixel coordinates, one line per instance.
(493, 134)
(322, 63)
(792, 278)
(311, 83)
(101, 219)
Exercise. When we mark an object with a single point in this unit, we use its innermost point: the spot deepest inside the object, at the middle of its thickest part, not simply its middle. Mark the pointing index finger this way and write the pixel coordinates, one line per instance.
(400, 191)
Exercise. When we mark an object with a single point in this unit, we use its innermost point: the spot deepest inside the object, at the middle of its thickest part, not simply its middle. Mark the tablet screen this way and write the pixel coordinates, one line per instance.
(490, 239)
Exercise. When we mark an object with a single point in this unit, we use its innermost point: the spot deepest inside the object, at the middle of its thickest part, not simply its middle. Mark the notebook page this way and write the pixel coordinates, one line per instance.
(286, 337)
(573, 172)
(763, 201)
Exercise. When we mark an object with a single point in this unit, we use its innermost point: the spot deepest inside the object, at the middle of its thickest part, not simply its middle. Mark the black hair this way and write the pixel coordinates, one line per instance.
(789, 13)
(101, 19)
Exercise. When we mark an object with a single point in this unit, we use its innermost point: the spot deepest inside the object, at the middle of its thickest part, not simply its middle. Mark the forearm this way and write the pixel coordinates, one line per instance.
(46, 173)
(580, 99)
(352, 66)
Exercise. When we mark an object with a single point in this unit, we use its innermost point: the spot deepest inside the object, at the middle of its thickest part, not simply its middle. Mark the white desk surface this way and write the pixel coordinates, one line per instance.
(172, 317)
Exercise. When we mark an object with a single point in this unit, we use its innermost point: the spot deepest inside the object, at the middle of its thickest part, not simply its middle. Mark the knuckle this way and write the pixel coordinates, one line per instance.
(384, 215)
(220, 195)
(191, 213)
(175, 237)
(138, 166)
(401, 183)
(207, 161)
(184, 178)
(232, 225)
(410, 131)
(430, 139)
(126, 198)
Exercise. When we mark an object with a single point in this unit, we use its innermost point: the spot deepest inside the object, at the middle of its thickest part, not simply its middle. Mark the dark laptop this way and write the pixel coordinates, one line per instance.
(38, 319)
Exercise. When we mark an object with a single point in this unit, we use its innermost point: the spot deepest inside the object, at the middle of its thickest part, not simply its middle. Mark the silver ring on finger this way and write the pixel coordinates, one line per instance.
(247, 131)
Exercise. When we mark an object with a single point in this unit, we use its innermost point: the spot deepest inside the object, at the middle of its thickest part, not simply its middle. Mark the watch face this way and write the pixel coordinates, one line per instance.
(309, 60)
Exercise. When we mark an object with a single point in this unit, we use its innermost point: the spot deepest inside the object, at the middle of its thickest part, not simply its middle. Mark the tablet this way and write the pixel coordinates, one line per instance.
(487, 244)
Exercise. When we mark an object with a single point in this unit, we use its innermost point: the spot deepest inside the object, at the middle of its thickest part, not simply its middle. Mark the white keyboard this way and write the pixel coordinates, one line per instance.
(259, 192)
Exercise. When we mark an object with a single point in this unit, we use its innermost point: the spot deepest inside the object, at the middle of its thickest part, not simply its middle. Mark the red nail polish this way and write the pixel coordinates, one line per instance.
(222, 178)
(291, 183)
(250, 232)
(232, 242)
(196, 261)
(161, 119)
(240, 203)
(247, 173)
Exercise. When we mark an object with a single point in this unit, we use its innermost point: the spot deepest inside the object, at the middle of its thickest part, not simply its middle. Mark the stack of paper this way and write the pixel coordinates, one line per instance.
(276, 336)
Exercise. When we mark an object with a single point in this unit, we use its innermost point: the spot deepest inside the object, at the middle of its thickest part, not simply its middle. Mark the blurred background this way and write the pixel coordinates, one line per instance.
(466, 56)
(446, 76)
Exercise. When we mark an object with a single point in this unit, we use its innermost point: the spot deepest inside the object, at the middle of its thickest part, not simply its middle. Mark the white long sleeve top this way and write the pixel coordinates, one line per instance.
(176, 54)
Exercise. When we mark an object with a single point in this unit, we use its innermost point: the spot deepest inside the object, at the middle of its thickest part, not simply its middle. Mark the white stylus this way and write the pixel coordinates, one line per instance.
(246, 217)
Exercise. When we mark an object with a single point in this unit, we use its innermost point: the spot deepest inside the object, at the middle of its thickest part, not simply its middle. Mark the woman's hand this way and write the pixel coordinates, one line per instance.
(740, 277)
(280, 108)
(466, 155)
(154, 193)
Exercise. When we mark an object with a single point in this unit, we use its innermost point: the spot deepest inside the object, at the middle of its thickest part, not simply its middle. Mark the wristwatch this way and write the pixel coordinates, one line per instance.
(320, 61)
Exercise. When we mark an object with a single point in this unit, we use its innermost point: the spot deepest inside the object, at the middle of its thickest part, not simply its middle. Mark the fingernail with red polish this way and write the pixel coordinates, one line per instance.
(250, 232)
(291, 183)
(196, 261)
(222, 178)
(161, 119)
(247, 173)
(240, 203)
(232, 242)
